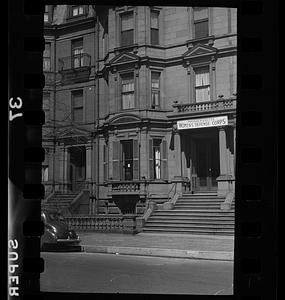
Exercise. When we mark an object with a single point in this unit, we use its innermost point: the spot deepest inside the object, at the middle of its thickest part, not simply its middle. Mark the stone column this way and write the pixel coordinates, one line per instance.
(178, 157)
(225, 179)
(65, 170)
(61, 167)
(88, 167)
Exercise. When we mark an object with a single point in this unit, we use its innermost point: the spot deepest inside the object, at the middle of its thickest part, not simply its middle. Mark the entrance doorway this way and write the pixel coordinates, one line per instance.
(77, 165)
(200, 159)
(207, 164)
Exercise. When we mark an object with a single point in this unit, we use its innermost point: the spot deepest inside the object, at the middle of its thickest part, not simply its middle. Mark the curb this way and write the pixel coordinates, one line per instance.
(158, 252)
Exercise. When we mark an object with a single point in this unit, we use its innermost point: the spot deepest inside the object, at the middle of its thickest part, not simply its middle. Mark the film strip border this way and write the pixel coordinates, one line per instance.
(256, 185)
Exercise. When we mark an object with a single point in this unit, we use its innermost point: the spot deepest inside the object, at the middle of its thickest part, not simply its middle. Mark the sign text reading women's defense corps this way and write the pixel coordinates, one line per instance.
(201, 123)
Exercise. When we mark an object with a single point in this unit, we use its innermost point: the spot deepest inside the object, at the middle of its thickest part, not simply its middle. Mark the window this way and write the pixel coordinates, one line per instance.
(155, 89)
(128, 91)
(125, 160)
(154, 27)
(202, 84)
(105, 162)
(77, 106)
(201, 22)
(46, 105)
(44, 173)
(77, 53)
(46, 14)
(77, 10)
(46, 58)
(158, 159)
(127, 29)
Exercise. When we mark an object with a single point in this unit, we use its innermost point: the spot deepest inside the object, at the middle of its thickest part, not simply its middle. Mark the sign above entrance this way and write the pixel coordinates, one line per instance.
(202, 123)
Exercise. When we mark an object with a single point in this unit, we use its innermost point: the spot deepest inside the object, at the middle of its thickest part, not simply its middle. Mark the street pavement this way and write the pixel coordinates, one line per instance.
(163, 245)
(106, 273)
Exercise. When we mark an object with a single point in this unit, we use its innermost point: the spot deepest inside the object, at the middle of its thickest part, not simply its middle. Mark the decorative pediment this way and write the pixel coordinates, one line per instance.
(199, 50)
(124, 119)
(124, 58)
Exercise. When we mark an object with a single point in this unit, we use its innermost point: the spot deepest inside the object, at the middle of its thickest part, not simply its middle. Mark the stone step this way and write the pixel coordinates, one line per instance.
(190, 231)
(184, 222)
(193, 213)
(194, 205)
(193, 219)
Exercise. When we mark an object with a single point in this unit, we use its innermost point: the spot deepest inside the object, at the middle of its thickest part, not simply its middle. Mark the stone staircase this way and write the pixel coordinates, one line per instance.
(60, 201)
(193, 214)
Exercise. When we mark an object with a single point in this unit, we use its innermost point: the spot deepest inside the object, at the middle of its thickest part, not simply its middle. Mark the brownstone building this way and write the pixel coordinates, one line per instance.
(140, 107)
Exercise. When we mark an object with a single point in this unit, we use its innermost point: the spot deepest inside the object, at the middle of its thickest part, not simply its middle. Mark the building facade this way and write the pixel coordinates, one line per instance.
(140, 104)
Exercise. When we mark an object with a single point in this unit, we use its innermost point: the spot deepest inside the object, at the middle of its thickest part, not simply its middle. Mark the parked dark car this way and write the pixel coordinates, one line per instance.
(58, 236)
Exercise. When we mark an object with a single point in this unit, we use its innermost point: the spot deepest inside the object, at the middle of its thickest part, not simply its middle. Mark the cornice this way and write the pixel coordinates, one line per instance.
(69, 27)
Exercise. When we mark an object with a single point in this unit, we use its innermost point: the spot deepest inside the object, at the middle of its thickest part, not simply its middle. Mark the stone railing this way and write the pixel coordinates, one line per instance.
(126, 186)
(219, 105)
(104, 223)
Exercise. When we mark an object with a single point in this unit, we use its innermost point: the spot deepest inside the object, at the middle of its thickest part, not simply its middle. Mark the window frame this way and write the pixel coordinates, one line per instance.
(77, 57)
(163, 160)
(77, 108)
(154, 29)
(195, 68)
(154, 106)
(201, 21)
(125, 93)
(47, 58)
(122, 44)
(78, 6)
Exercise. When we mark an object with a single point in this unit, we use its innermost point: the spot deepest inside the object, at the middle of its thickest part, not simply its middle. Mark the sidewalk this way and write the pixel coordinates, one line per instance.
(164, 245)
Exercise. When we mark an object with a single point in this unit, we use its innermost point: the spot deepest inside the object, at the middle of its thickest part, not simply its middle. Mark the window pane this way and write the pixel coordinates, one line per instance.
(154, 19)
(78, 114)
(202, 76)
(127, 37)
(127, 22)
(46, 17)
(200, 13)
(128, 101)
(47, 50)
(154, 36)
(77, 99)
(201, 29)
(203, 94)
(155, 99)
(46, 64)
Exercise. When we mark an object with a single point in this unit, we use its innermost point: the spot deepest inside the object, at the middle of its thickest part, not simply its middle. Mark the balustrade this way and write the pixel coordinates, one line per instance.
(223, 104)
(96, 223)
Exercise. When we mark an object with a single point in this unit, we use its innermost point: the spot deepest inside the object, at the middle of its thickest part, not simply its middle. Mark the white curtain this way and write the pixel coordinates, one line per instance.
(202, 85)
(157, 163)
